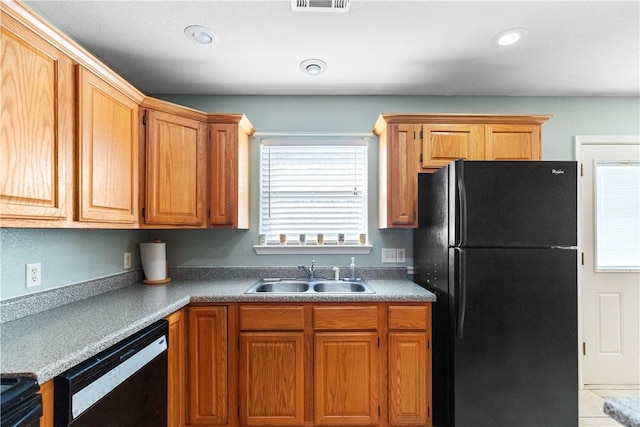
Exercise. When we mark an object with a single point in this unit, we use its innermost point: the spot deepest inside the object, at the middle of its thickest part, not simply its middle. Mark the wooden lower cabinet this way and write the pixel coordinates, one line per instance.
(46, 390)
(271, 378)
(309, 364)
(346, 378)
(177, 370)
(407, 378)
(208, 360)
(409, 364)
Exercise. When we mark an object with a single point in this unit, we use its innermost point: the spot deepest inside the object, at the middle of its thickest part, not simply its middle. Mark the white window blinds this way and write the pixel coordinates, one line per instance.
(617, 216)
(311, 186)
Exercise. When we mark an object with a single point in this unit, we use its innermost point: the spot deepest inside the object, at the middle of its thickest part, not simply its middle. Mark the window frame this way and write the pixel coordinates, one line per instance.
(271, 247)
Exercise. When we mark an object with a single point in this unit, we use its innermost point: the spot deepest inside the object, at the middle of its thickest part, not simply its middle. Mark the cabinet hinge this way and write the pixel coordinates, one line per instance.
(143, 213)
(581, 169)
(378, 410)
(428, 411)
(421, 134)
(420, 158)
(378, 342)
(428, 344)
(582, 256)
(584, 348)
(144, 120)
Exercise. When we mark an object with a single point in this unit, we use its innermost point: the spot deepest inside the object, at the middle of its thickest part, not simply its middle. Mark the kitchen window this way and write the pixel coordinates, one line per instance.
(313, 186)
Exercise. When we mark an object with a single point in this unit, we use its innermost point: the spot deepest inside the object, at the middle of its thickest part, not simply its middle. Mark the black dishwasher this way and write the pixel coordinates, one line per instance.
(125, 385)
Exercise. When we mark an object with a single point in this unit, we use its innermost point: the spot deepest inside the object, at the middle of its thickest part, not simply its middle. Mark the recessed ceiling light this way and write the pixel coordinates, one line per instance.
(200, 34)
(509, 37)
(313, 67)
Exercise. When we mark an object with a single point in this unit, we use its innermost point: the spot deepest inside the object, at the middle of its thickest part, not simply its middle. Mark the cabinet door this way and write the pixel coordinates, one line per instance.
(208, 387)
(36, 126)
(177, 387)
(108, 152)
(46, 391)
(175, 162)
(228, 177)
(512, 142)
(346, 378)
(272, 378)
(408, 378)
(442, 144)
(403, 179)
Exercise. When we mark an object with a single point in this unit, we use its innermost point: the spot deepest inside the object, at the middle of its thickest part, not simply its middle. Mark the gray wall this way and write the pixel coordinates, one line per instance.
(70, 256)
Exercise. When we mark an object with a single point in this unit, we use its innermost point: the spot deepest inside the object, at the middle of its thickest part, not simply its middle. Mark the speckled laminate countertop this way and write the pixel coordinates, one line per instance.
(624, 409)
(50, 342)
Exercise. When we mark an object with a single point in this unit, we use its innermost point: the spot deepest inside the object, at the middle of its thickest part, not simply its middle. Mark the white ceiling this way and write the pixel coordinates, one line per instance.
(421, 47)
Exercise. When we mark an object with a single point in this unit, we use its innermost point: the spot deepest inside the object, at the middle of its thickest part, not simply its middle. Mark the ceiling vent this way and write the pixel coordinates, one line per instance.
(320, 5)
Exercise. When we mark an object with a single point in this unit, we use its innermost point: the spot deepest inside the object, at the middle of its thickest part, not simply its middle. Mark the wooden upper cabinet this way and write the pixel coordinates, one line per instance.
(414, 143)
(108, 152)
(175, 160)
(444, 143)
(196, 166)
(512, 142)
(397, 181)
(69, 132)
(37, 126)
(228, 171)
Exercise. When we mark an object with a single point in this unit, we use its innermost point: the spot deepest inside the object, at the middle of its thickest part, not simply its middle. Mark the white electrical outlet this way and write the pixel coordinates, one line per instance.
(400, 255)
(127, 260)
(388, 255)
(33, 275)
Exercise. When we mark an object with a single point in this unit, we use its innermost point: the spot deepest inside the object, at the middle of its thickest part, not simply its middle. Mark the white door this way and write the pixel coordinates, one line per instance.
(608, 275)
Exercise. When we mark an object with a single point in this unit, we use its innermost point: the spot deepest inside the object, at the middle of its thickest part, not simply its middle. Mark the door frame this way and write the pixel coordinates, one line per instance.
(580, 140)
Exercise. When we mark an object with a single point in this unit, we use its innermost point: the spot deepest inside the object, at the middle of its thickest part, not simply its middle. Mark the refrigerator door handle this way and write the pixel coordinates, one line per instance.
(462, 201)
(461, 297)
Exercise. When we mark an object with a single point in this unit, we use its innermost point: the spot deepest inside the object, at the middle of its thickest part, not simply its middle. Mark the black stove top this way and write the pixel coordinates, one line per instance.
(20, 402)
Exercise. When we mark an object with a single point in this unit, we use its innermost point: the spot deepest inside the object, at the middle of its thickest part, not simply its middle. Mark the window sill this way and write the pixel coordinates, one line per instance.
(312, 249)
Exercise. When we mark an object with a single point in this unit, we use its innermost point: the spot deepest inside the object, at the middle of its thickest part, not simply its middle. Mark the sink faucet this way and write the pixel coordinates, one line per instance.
(309, 271)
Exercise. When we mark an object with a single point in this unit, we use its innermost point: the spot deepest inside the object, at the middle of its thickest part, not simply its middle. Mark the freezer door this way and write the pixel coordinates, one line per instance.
(516, 350)
(497, 204)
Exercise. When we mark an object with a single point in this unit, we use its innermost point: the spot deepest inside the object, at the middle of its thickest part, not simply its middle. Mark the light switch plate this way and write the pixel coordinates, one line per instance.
(400, 255)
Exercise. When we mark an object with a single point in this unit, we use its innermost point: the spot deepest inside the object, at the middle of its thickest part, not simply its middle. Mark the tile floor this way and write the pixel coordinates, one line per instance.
(591, 403)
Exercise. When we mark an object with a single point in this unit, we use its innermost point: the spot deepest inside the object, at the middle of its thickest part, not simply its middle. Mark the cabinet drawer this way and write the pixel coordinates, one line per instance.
(289, 318)
(408, 317)
(345, 317)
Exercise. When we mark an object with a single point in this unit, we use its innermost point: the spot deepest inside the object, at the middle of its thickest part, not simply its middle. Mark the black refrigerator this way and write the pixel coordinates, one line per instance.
(496, 242)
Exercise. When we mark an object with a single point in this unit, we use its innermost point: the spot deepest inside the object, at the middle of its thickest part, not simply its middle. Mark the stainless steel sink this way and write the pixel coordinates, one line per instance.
(282, 287)
(332, 286)
(310, 286)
